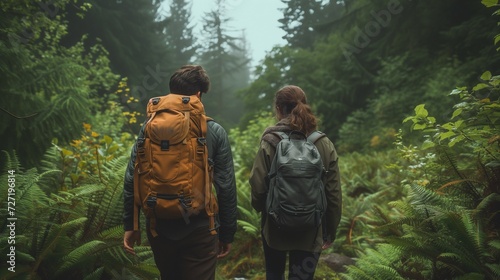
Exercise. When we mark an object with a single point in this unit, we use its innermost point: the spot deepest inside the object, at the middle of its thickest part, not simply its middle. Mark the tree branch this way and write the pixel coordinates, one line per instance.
(17, 117)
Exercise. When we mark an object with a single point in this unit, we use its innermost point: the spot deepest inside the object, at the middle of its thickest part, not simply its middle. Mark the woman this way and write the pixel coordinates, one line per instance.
(304, 248)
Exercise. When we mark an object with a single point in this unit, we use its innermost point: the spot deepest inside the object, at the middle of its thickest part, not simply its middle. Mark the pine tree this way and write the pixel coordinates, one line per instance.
(132, 31)
(225, 60)
(179, 33)
(300, 17)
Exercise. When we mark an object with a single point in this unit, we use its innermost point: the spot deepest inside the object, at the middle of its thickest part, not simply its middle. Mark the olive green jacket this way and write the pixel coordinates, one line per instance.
(310, 240)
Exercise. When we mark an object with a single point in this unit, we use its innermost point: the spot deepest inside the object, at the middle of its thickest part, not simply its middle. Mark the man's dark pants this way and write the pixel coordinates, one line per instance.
(193, 257)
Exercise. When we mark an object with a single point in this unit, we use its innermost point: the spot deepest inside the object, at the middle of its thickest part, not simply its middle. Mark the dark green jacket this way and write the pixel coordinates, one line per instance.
(312, 240)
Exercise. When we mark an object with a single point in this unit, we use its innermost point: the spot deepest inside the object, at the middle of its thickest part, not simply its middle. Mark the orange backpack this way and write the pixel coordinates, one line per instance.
(172, 176)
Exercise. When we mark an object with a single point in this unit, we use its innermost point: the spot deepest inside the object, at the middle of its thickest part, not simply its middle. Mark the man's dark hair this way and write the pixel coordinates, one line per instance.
(189, 79)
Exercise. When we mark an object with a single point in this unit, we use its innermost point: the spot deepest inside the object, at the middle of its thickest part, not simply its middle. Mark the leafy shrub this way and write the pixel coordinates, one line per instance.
(449, 225)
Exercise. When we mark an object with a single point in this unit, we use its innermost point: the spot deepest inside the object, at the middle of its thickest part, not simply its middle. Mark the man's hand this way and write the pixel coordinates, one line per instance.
(129, 238)
(224, 249)
(326, 245)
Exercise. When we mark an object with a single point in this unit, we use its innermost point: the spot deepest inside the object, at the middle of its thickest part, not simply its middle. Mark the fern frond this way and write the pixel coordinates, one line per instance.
(495, 244)
(95, 275)
(11, 161)
(377, 264)
(494, 270)
(423, 196)
(249, 228)
(471, 276)
(488, 209)
(86, 190)
(356, 273)
(144, 270)
(144, 252)
(110, 201)
(112, 233)
(450, 258)
(387, 272)
(74, 258)
(71, 225)
(411, 221)
(249, 214)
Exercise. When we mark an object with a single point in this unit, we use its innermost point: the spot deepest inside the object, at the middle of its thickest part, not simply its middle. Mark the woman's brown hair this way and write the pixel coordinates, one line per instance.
(290, 101)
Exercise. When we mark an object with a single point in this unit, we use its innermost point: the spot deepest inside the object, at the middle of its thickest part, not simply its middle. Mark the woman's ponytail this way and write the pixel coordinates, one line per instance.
(291, 102)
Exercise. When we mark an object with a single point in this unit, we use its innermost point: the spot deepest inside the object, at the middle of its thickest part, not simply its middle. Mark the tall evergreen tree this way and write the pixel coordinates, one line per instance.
(224, 57)
(132, 31)
(179, 31)
(374, 63)
(300, 17)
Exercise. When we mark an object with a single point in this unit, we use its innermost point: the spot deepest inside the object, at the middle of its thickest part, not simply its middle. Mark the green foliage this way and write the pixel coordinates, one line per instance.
(97, 145)
(380, 260)
(71, 206)
(447, 225)
(442, 221)
(247, 251)
(367, 184)
(245, 143)
(370, 62)
(48, 88)
(475, 119)
(73, 233)
(270, 77)
(489, 4)
(134, 34)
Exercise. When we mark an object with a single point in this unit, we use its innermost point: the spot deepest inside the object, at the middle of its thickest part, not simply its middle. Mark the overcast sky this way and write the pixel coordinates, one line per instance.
(258, 18)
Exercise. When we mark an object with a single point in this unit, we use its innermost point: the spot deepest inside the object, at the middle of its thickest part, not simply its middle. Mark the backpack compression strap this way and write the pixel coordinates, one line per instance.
(208, 185)
(137, 201)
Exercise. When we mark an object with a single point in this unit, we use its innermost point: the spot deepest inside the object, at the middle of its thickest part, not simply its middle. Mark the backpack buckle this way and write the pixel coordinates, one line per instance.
(202, 141)
(165, 145)
(151, 202)
(155, 100)
(185, 202)
(140, 142)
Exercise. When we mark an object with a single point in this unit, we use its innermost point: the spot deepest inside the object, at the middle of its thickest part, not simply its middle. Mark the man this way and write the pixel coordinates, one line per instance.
(187, 249)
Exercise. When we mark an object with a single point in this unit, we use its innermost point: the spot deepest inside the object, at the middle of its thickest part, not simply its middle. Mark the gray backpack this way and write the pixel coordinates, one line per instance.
(296, 198)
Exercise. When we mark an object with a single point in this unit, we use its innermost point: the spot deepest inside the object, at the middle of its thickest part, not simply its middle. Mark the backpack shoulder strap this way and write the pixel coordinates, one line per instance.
(315, 136)
(273, 137)
(281, 135)
(209, 140)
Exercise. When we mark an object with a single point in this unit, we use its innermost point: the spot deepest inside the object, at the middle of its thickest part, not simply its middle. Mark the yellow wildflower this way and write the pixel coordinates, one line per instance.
(76, 143)
(87, 126)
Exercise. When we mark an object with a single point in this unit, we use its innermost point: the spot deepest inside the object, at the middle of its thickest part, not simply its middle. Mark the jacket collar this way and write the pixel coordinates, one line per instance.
(283, 125)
